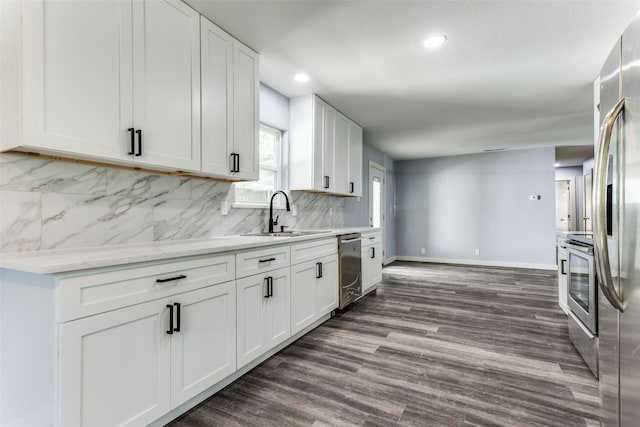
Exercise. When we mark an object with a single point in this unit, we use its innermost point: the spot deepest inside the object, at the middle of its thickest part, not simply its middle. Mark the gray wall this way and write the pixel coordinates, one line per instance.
(452, 205)
(356, 212)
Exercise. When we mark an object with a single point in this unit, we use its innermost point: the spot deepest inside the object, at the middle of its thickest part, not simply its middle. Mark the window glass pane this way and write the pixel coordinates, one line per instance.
(377, 196)
(268, 148)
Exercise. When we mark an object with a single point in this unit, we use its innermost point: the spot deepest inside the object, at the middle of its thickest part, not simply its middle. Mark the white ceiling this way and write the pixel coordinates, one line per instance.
(512, 74)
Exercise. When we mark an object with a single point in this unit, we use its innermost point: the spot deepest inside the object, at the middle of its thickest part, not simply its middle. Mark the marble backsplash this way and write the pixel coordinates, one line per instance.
(49, 204)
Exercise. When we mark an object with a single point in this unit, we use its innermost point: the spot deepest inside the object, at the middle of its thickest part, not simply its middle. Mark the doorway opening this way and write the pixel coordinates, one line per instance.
(565, 205)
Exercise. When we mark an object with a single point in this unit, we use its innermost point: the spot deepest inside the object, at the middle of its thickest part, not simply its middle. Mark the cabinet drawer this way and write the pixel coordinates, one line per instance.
(371, 238)
(86, 295)
(308, 251)
(254, 262)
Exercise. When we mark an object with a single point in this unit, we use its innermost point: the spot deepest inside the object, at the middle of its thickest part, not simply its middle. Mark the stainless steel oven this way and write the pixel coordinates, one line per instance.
(582, 299)
(581, 285)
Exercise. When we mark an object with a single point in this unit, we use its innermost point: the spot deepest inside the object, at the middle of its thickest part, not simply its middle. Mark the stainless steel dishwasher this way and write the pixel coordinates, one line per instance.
(350, 268)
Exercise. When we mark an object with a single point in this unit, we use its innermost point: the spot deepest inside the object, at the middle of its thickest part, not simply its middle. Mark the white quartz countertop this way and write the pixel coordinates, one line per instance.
(68, 260)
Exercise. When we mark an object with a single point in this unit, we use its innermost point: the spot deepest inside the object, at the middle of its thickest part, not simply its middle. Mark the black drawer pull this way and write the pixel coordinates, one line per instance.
(326, 181)
(371, 238)
(351, 187)
(170, 330)
(267, 260)
(319, 270)
(170, 279)
(373, 252)
(562, 270)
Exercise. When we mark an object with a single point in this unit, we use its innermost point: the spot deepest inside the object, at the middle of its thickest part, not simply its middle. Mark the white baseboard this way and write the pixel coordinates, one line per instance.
(479, 262)
(390, 260)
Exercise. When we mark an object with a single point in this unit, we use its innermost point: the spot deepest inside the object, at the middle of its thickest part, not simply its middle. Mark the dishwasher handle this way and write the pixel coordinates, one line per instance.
(356, 239)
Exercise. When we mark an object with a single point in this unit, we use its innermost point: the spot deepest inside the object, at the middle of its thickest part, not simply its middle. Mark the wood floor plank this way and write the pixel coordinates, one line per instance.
(437, 345)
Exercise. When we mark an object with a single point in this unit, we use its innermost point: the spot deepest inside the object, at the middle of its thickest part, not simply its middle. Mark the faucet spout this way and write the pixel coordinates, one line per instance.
(271, 221)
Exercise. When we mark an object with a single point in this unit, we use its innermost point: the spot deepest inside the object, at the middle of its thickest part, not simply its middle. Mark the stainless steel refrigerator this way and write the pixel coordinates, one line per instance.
(616, 203)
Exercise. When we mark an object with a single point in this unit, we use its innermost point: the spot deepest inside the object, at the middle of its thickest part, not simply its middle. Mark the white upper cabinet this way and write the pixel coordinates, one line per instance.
(341, 155)
(355, 160)
(77, 77)
(246, 111)
(114, 81)
(321, 150)
(230, 109)
(166, 90)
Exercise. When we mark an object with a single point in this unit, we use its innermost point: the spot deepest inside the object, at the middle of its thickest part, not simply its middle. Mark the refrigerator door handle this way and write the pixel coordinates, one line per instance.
(603, 264)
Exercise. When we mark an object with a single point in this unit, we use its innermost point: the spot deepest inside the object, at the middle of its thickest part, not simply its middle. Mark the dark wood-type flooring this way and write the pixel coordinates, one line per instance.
(438, 345)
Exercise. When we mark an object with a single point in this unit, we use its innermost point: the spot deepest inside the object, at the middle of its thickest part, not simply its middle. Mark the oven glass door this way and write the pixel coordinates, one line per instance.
(581, 287)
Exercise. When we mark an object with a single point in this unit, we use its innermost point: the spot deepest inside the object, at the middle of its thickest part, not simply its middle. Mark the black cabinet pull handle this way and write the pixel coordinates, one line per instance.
(170, 330)
(177, 328)
(235, 162)
(373, 252)
(326, 181)
(319, 271)
(352, 187)
(139, 132)
(170, 279)
(267, 260)
(562, 270)
(269, 281)
(371, 238)
(232, 162)
(133, 143)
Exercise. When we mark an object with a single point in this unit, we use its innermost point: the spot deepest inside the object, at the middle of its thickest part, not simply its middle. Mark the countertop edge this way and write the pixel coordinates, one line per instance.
(60, 261)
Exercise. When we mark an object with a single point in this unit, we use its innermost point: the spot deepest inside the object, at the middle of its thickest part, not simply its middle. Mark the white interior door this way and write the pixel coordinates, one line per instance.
(377, 197)
(565, 210)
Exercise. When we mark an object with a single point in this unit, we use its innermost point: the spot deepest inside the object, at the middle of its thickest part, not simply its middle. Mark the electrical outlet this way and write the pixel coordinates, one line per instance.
(477, 251)
(224, 208)
(422, 251)
(294, 210)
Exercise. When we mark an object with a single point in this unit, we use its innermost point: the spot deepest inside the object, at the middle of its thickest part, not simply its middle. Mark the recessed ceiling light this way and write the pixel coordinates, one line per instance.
(435, 41)
(301, 78)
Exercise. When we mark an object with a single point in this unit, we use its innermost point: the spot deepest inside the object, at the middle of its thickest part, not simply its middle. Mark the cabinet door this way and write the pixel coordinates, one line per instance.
(217, 98)
(341, 155)
(246, 89)
(328, 147)
(372, 257)
(327, 287)
(251, 312)
(115, 367)
(279, 308)
(318, 143)
(77, 77)
(303, 295)
(203, 351)
(355, 160)
(166, 72)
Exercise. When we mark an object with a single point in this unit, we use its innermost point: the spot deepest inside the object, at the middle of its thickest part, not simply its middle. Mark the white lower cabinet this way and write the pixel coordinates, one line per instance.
(371, 260)
(263, 307)
(115, 367)
(314, 291)
(129, 367)
(203, 352)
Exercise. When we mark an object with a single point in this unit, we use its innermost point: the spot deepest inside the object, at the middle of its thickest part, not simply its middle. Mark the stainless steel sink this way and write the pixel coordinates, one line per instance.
(292, 233)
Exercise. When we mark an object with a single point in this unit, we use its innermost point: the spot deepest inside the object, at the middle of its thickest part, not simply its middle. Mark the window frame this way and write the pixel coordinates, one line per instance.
(277, 169)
